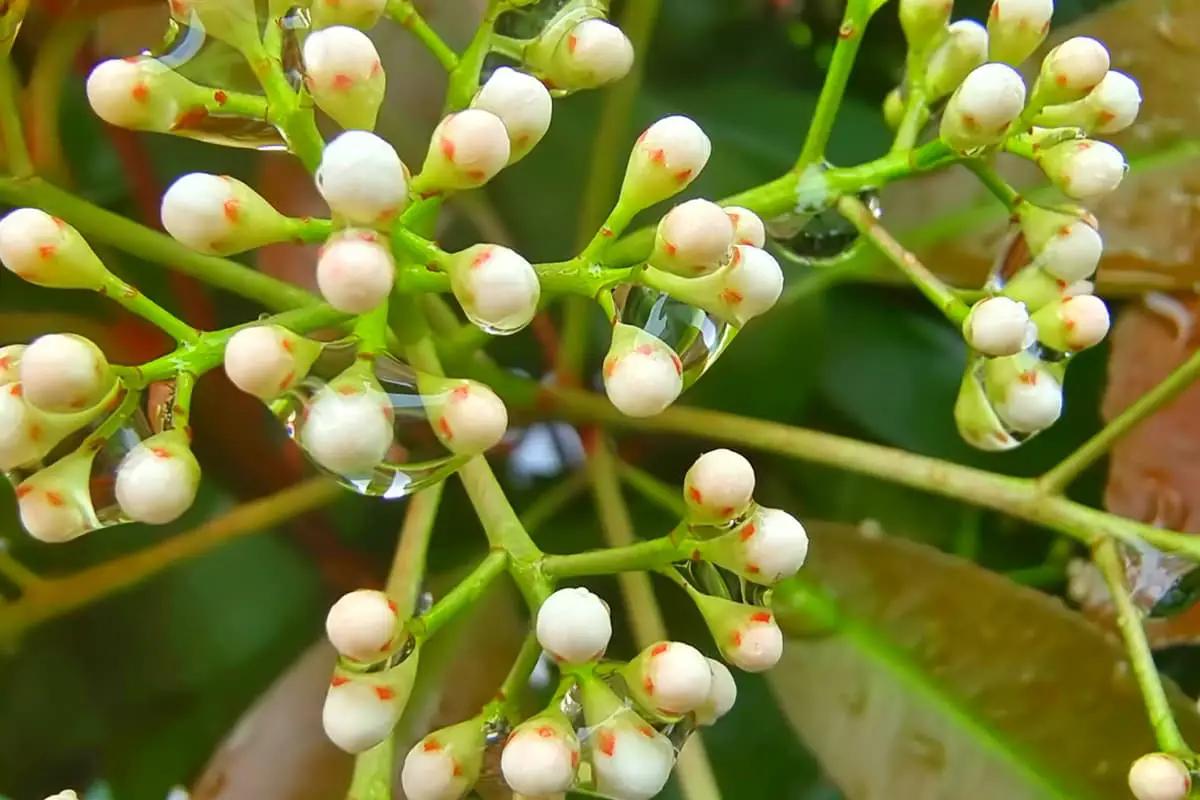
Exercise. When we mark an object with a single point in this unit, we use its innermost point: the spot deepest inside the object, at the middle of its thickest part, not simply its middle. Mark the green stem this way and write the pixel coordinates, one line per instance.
(408, 563)
(404, 13)
(372, 330)
(1145, 406)
(518, 675)
(464, 78)
(549, 503)
(850, 34)
(916, 113)
(991, 179)
(15, 148)
(181, 405)
(373, 772)
(137, 303)
(668, 498)
(1170, 740)
(929, 284)
(648, 554)
(284, 107)
(465, 594)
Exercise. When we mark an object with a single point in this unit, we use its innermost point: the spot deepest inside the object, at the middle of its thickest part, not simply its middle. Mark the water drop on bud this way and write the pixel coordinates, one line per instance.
(1066, 244)
(46, 251)
(497, 288)
(349, 425)
(747, 636)
(693, 238)
(361, 14)
(629, 758)
(574, 626)
(718, 487)
(467, 416)
(669, 678)
(362, 624)
(964, 49)
(355, 271)
(343, 74)
(982, 107)
(466, 151)
(158, 479)
(997, 326)
(267, 360)
(748, 227)
(446, 763)
(522, 103)
(667, 157)
(1158, 776)
(541, 756)
(362, 179)
(1070, 71)
(1016, 28)
(923, 22)
(768, 547)
(140, 93)
(220, 215)
(1084, 169)
(361, 709)
(1073, 323)
(642, 375)
(63, 372)
(721, 696)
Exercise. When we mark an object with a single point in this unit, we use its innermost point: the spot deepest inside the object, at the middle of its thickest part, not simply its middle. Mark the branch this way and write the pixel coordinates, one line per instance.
(403, 12)
(15, 148)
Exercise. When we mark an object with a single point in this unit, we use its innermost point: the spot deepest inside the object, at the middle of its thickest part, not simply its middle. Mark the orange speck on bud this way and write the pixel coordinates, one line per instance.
(220, 97)
(339, 680)
(695, 495)
(140, 93)
(55, 499)
(393, 607)
(658, 156)
(659, 649)
(482, 258)
(969, 122)
(46, 250)
(444, 427)
(545, 731)
(385, 693)
(431, 745)
(287, 380)
(753, 569)
(16, 390)
(644, 349)
(231, 209)
(458, 770)
(748, 531)
(648, 685)
(670, 248)
(736, 638)
(683, 175)
(572, 43)
(646, 730)
(761, 616)
(341, 83)
(160, 452)
(447, 148)
(461, 392)
(606, 742)
(1029, 377)
(23, 491)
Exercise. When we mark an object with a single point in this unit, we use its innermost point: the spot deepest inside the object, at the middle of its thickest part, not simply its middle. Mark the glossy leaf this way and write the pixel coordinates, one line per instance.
(916, 674)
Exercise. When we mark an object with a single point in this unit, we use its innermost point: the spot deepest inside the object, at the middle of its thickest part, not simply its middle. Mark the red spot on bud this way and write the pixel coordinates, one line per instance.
(55, 499)
(287, 380)
(447, 148)
(231, 209)
(431, 745)
(648, 685)
(606, 742)
(753, 569)
(572, 43)
(670, 248)
(658, 156)
(732, 297)
(574, 759)
(736, 638)
(23, 491)
(1029, 377)
(341, 83)
(1105, 117)
(140, 92)
(461, 392)
(1061, 80)
(610, 366)
(46, 250)
(736, 258)
(659, 649)
(761, 616)
(339, 680)
(458, 771)
(220, 97)
(16, 390)
(606, 232)
(644, 349)
(677, 363)
(160, 452)
(286, 344)
(683, 176)
(694, 495)
(385, 693)
(545, 731)
(444, 427)
(969, 122)
(646, 730)
(476, 174)
(747, 531)
(481, 258)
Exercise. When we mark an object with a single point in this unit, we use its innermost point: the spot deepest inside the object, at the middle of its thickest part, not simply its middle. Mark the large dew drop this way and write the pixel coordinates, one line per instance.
(815, 233)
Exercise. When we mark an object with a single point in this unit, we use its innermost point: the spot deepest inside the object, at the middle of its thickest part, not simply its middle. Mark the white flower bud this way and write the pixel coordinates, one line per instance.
(719, 486)
(642, 374)
(997, 326)
(893, 109)
(362, 624)
(344, 75)
(10, 363)
(1070, 71)
(19, 434)
(923, 22)
(349, 432)
(158, 479)
(632, 762)
(752, 284)
(1074, 323)
(355, 271)
(522, 103)
(1066, 245)
(758, 646)
(66, 794)
(267, 360)
(497, 288)
(46, 251)
(593, 53)
(140, 93)
(359, 714)
(1032, 402)
(466, 151)
(219, 214)
(748, 227)
(445, 764)
(574, 626)
(1158, 776)
(722, 694)
(1084, 169)
(693, 238)
(361, 14)
(667, 157)
(672, 677)
(540, 758)
(1016, 28)
(964, 49)
(62, 372)
(471, 418)
(981, 109)
(362, 179)
(54, 503)
(775, 545)
(1111, 107)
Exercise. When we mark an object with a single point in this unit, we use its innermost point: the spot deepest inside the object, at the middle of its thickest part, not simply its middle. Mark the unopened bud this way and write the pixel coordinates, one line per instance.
(965, 49)
(893, 108)
(55, 503)
(629, 758)
(362, 625)
(998, 326)
(361, 709)
(522, 103)
(591, 54)
(642, 374)
(446, 763)
(1073, 323)
(355, 271)
(466, 151)
(667, 157)
(10, 362)
(1084, 169)
(467, 416)
(1066, 244)
(669, 678)
(722, 694)
(750, 285)
(46, 251)
(361, 14)
(1016, 28)
(27, 434)
(1158, 776)
(362, 179)
(66, 794)
(693, 238)
(1070, 71)
(1111, 107)
(748, 227)
(1026, 396)
(141, 93)
(541, 756)
(975, 416)
(63, 372)
(158, 479)
(348, 429)
(768, 547)
(574, 626)
(232, 21)
(718, 487)
(923, 22)
(221, 215)
(981, 109)
(267, 360)
(747, 636)
(344, 76)
(497, 288)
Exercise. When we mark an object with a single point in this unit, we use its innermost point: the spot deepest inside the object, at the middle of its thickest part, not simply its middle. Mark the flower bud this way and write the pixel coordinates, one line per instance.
(466, 151)
(55, 503)
(746, 635)
(1110, 107)
(721, 695)
(1066, 244)
(361, 709)
(343, 74)
(46, 251)
(62, 372)
(1158, 776)
(10, 363)
(965, 49)
(693, 238)
(231, 21)
(362, 625)
(981, 109)
(718, 487)
(593, 53)
(362, 179)
(574, 626)
(66, 794)
(497, 288)
(975, 417)
(642, 374)
(220, 215)
(998, 326)
(629, 758)
(446, 763)
(1070, 71)
(158, 479)
(267, 360)
(541, 756)
(751, 284)
(349, 427)
(355, 271)
(748, 227)
(893, 109)
(1026, 396)
(467, 416)
(1084, 169)
(361, 14)
(923, 22)
(141, 93)
(765, 549)
(669, 678)
(522, 103)
(27, 435)
(1016, 28)
(667, 157)
(1073, 323)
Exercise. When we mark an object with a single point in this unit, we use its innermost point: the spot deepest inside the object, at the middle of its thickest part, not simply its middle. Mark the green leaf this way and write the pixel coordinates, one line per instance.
(916, 674)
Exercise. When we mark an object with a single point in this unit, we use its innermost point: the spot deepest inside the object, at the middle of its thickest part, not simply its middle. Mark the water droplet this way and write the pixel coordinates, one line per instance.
(719, 582)
(697, 337)
(975, 412)
(815, 233)
(390, 458)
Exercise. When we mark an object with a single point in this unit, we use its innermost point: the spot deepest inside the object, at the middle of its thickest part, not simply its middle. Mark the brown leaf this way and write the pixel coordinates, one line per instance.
(939, 680)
